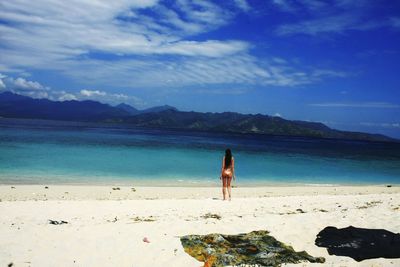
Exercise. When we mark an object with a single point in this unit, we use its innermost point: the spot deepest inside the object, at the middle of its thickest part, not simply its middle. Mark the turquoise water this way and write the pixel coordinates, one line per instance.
(57, 152)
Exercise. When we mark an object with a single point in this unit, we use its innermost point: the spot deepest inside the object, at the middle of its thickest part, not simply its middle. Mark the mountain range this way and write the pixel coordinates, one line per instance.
(18, 106)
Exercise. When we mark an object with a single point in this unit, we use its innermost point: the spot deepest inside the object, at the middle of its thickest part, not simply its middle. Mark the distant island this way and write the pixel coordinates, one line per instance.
(168, 117)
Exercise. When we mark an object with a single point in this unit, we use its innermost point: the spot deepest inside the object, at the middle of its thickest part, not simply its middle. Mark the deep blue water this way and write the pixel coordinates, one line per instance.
(34, 151)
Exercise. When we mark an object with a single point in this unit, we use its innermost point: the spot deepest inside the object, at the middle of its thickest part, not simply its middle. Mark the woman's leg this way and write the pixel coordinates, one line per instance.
(224, 186)
(228, 184)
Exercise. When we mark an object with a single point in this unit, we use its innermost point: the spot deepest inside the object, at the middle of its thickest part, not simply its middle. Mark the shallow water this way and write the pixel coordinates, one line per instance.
(34, 151)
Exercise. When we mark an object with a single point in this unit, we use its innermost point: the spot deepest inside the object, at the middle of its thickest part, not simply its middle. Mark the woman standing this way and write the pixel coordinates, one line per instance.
(227, 173)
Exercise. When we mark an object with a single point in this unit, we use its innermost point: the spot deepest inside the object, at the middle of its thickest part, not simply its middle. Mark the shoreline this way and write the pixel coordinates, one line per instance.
(24, 192)
(177, 182)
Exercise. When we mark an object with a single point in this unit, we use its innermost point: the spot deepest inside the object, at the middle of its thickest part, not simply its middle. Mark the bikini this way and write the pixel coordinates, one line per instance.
(228, 171)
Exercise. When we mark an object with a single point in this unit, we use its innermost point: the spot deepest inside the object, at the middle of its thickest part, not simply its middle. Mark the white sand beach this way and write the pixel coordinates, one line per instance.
(106, 227)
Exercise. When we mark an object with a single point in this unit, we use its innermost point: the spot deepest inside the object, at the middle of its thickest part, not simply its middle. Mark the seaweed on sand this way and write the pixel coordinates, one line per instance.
(256, 248)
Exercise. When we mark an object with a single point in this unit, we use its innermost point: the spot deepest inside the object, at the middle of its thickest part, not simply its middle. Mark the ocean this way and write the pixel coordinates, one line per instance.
(52, 152)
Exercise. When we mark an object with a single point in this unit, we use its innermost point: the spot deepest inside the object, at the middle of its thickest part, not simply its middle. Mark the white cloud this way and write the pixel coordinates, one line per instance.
(277, 115)
(22, 84)
(2, 85)
(357, 105)
(36, 90)
(110, 98)
(90, 93)
(211, 48)
(66, 97)
(36, 94)
(146, 43)
(55, 31)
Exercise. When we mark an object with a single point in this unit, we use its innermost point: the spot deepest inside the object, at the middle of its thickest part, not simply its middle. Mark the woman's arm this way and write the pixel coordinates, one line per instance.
(233, 168)
(223, 167)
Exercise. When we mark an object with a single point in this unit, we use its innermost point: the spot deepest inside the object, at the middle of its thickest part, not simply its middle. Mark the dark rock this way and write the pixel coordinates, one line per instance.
(116, 188)
(389, 185)
(255, 248)
(359, 243)
(46, 187)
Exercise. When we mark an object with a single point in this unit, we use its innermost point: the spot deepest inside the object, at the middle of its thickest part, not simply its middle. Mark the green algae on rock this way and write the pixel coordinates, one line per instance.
(256, 248)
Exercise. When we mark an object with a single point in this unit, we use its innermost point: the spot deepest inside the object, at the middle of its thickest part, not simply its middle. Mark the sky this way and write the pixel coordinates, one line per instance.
(334, 61)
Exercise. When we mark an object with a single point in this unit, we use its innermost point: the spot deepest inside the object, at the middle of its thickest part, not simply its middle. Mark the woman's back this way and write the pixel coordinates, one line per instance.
(227, 172)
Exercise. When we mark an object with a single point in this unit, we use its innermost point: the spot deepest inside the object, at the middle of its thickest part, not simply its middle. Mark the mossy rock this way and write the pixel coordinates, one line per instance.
(256, 248)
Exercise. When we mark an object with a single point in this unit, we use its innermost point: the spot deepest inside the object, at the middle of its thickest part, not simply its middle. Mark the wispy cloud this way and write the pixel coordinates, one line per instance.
(137, 44)
(395, 21)
(395, 125)
(242, 4)
(284, 5)
(337, 17)
(224, 91)
(181, 72)
(357, 105)
(68, 29)
(332, 24)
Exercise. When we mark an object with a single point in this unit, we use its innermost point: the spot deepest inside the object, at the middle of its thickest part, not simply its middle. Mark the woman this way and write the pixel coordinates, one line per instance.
(227, 172)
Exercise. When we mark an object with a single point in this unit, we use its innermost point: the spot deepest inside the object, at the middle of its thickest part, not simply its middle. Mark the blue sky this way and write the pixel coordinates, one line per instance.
(332, 61)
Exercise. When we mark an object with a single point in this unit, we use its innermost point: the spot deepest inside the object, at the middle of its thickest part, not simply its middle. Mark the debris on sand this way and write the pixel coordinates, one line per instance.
(211, 216)
(114, 220)
(144, 219)
(369, 204)
(57, 222)
(300, 211)
(116, 188)
(256, 248)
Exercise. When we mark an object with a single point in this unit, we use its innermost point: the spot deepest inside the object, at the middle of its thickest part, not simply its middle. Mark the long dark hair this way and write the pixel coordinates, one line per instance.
(228, 158)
